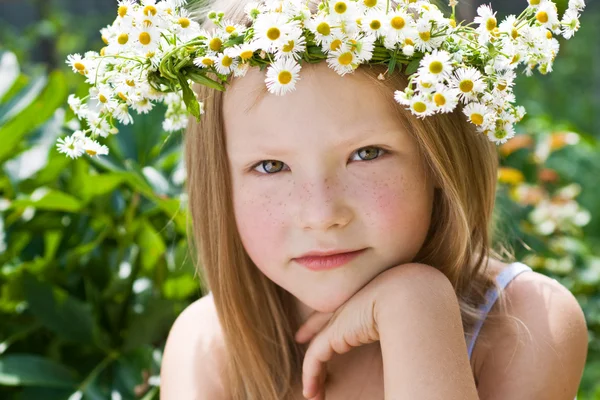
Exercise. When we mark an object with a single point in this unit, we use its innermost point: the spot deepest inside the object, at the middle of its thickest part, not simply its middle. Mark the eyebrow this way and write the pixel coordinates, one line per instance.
(365, 134)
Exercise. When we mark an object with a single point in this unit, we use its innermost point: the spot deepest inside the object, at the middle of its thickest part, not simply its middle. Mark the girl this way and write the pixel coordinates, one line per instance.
(347, 247)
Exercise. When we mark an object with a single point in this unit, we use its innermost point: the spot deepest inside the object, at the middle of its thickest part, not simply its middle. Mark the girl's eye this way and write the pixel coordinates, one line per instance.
(270, 166)
(365, 154)
(369, 153)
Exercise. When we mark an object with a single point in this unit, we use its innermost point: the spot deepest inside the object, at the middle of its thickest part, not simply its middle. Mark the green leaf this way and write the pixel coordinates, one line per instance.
(189, 98)
(51, 200)
(23, 99)
(99, 185)
(152, 244)
(52, 97)
(412, 66)
(392, 64)
(63, 314)
(151, 324)
(33, 370)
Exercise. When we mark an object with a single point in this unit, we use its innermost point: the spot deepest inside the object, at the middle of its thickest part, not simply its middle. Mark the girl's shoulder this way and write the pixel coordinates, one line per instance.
(193, 360)
(543, 340)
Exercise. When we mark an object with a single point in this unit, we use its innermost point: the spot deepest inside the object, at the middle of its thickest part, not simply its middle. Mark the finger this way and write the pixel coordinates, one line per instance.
(318, 387)
(313, 325)
(314, 365)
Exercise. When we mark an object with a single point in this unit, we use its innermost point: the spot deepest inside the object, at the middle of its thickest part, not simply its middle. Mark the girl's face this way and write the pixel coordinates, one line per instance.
(325, 167)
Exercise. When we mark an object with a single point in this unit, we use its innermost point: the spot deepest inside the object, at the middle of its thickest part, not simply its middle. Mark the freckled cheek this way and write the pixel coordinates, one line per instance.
(261, 220)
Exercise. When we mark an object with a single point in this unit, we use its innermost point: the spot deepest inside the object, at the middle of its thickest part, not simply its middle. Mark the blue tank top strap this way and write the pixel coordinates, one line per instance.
(503, 279)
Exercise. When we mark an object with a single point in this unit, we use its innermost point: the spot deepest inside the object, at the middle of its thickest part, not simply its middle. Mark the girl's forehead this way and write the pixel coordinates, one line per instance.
(321, 98)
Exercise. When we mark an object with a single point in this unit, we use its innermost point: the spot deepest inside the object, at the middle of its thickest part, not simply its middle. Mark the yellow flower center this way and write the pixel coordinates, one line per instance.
(534, 2)
(146, 23)
(229, 28)
(542, 17)
(466, 85)
(184, 22)
(227, 61)
(104, 39)
(409, 42)
(335, 44)
(324, 29)
(207, 61)
(490, 24)
(122, 96)
(453, 23)
(397, 22)
(340, 7)
(426, 84)
(103, 51)
(501, 86)
(436, 67)
(123, 38)
(273, 33)
(145, 38)
(122, 11)
(375, 24)
(439, 99)
(215, 44)
(79, 66)
(149, 10)
(419, 107)
(370, 3)
(246, 54)
(514, 33)
(150, 54)
(548, 34)
(102, 98)
(284, 77)
(289, 46)
(477, 118)
(90, 152)
(345, 58)
(130, 82)
(425, 36)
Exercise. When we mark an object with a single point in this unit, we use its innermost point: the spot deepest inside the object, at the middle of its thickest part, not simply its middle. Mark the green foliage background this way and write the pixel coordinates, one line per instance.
(94, 265)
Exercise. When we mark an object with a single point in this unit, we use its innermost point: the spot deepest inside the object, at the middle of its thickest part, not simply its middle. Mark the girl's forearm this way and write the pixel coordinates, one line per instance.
(422, 343)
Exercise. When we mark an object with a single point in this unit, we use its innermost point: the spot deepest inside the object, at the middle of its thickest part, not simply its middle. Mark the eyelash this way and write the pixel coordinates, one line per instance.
(381, 152)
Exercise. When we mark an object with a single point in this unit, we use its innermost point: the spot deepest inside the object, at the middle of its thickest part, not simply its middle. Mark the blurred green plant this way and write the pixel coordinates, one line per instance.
(95, 264)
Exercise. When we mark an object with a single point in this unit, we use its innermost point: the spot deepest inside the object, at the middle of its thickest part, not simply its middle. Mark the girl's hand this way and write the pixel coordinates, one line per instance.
(353, 324)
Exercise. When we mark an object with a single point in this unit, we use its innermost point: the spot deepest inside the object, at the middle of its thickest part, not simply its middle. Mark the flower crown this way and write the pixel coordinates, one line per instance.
(155, 51)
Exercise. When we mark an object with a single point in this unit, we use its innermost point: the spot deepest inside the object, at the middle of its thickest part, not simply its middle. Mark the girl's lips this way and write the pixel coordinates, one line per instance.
(321, 263)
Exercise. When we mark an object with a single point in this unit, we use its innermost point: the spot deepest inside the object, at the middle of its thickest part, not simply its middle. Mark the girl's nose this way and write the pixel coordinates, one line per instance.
(322, 205)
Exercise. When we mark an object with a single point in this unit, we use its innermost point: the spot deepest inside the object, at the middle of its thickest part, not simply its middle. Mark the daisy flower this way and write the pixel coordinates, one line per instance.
(509, 27)
(342, 10)
(476, 112)
(396, 24)
(143, 106)
(93, 148)
(421, 106)
(121, 112)
(214, 40)
(424, 41)
(225, 64)
(342, 60)
(240, 70)
(504, 131)
(373, 22)
(147, 39)
(362, 46)
(469, 82)
(282, 76)
(486, 18)
(570, 23)
(402, 97)
(577, 5)
(547, 14)
(78, 64)
(323, 29)
(444, 98)
(205, 61)
(437, 63)
(79, 108)
(70, 145)
(426, 82)
(244, 51)
(293, 48)
(233, 29)
(270, 31)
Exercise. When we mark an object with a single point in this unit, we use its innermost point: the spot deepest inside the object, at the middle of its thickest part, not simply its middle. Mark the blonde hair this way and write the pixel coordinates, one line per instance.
(258, 318)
